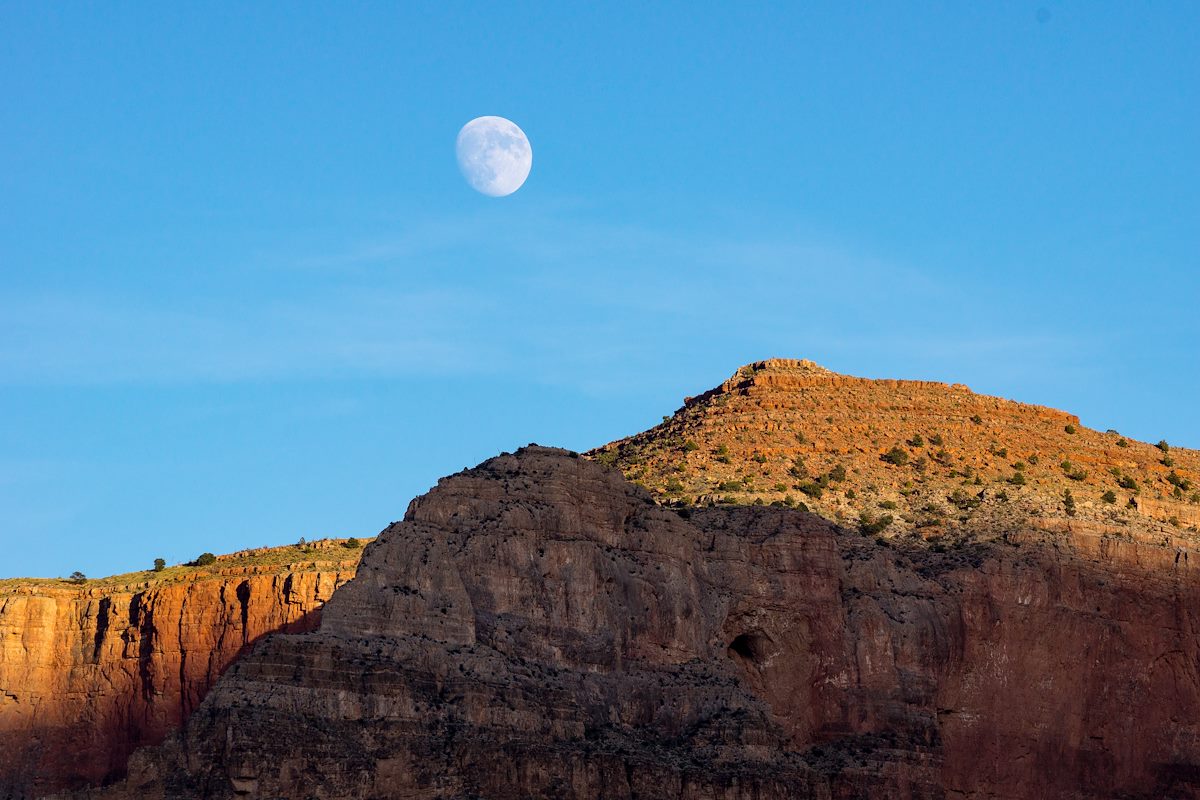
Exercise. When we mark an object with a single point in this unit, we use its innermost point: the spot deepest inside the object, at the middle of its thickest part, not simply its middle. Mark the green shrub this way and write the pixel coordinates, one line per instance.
(722, 450)
(1162, 445)
(811, 489)
(204, 559)
(729, 486)
(978, 420)
(1073, 472)
(838, 473)
(1122, 443)
(1109, 497)
(963, 500)
(351, 543)
(159, 564)
(935, 439)
(673, 486)
(690, 446)
(1069, 429)
(1127, 482)
(1068, 503)
(1167, 461)
(77, 578)
(916, 441)
(1018, 479)
(870, 525)
(1019, 466)
(890, 505)
(758, 458)
(798, 468)
(895, 456)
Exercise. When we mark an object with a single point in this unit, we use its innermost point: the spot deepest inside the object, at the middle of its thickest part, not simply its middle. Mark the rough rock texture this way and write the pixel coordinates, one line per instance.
(538, 627)
(939, 460)
(90, 673)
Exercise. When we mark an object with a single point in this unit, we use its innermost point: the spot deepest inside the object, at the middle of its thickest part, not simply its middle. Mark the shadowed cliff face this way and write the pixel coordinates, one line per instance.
(89, 674)
(538, 627)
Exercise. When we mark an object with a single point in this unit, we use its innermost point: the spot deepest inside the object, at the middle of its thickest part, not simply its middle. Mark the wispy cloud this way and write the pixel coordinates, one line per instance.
(545, 294)
(89, 339)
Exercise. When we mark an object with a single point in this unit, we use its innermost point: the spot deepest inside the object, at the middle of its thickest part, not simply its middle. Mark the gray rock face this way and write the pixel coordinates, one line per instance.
(538, 627)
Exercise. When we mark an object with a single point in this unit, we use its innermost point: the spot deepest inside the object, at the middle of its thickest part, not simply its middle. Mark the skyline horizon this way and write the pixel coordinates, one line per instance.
(247, 294)
(364, 534)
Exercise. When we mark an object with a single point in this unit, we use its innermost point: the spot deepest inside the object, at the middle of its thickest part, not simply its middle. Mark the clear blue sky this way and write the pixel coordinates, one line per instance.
(245, 295)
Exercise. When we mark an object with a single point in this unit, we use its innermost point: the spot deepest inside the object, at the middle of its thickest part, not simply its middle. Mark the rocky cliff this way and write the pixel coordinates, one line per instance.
(539, 627)
(89, 673)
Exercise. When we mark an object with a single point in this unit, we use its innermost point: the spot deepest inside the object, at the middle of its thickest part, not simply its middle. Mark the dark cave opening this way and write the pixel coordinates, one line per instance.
(753, 647)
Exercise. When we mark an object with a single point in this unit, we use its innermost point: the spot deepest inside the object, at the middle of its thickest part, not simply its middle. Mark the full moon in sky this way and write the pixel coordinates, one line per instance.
(494, 155)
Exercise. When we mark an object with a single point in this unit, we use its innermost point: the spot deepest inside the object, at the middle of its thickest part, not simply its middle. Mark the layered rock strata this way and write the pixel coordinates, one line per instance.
(539, 627)
(90, 673)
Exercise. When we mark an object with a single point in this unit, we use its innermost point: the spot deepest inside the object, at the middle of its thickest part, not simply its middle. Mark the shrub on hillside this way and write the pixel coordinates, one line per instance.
(159, 564)
(870, 525)
(895, 456)
(964, 500)
(1068, 503)
(811, 489)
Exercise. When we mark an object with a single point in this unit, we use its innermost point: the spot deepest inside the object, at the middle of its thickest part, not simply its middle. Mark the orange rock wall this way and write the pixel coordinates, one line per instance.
(87, 675)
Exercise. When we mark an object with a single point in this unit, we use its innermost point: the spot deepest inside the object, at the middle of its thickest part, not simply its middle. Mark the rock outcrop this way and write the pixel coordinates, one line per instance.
(90, 673)
(539, 627)
(911, 459)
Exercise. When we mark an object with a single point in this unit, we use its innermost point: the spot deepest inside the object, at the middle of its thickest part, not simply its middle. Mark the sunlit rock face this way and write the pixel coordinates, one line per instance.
(537, 627)
(89, 674)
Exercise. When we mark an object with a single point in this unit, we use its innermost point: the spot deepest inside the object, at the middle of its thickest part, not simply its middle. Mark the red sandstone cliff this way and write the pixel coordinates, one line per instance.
(90, 673)
(538, 627)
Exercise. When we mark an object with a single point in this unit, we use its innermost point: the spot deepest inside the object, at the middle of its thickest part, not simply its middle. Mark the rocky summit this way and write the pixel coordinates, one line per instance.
(909, 459)
(539, 627)
(800, 585)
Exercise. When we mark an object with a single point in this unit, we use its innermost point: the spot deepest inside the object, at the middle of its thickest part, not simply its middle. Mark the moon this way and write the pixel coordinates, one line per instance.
(494, 155)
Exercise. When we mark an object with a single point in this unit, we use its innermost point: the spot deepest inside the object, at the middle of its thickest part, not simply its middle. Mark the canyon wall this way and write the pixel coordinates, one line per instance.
(90, 673)
(539, 627)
